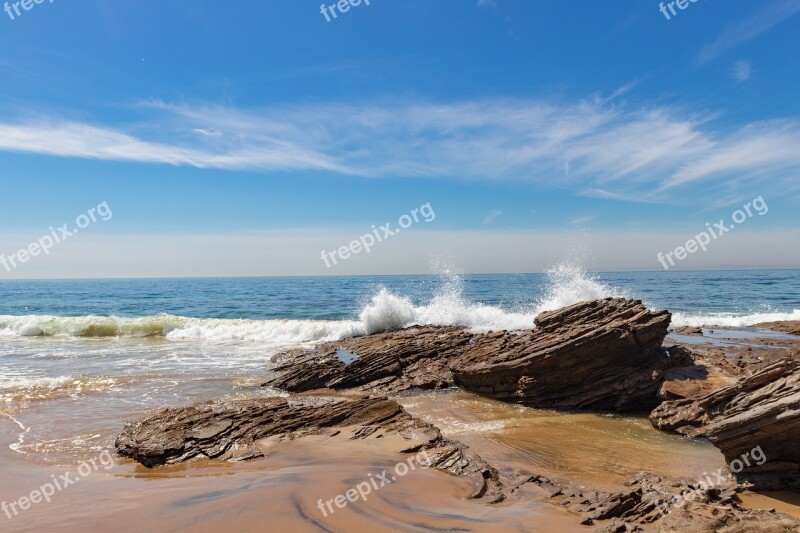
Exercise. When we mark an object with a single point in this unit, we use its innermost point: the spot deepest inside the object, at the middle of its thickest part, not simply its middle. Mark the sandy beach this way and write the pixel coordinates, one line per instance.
(593, 451)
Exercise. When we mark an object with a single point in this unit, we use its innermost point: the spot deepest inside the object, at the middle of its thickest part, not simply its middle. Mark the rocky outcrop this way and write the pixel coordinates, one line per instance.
(673, 506)
(601, 355)
(380, 364)
(669, 505)
(792, 327)
(755, 423)
(232, 431)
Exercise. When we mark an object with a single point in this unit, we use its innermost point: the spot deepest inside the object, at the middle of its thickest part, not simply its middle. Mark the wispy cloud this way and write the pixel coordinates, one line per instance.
(71, 139)
(592, 148)
(742, 71)
(774, 13)
(492, 216)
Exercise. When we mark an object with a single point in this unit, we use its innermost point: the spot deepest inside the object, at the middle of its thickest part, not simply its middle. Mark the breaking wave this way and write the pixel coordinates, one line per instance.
(565, 285)
(731, 320)
(384, 311)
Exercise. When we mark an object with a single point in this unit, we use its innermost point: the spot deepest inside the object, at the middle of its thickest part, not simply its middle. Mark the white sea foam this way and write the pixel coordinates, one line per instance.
(385, 311)
(567, 284)
(20, 388)
(731, 320)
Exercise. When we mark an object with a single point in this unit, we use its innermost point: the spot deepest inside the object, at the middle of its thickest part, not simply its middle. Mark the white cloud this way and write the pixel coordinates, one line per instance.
(742, 71)
(71, 139)
(775, 13)
(640, 153)
(769, 147)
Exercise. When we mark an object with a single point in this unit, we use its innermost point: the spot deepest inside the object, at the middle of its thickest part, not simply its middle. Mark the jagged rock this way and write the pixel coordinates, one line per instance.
(231, 431)
(678, 506)
(601, 355)
(380, 364)
(761, 412)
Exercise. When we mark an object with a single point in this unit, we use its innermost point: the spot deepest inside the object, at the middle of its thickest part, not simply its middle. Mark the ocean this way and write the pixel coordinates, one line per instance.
(90, 354)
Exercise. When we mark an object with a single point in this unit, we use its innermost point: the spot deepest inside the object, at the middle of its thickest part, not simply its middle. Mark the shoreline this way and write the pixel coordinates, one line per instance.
(292, 476)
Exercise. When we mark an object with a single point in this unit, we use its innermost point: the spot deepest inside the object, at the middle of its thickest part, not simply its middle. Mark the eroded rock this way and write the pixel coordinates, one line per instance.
(379, 364)
(231, 431)
(761, 412)
(601, 355)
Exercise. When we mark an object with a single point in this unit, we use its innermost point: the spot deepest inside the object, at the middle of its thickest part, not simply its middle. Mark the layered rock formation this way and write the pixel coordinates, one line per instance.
(601, 355)
(232, 431)
(761, 412)
(673, 505)
(380, 364)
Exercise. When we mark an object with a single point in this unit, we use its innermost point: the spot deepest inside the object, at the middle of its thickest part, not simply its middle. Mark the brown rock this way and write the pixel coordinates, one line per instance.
(791, 327)
(761, 412)
(380, 364)
(601, 355)
(230, 431)
(673, 505)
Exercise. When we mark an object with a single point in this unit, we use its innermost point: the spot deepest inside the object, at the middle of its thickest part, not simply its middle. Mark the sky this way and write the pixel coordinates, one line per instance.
(246, 138)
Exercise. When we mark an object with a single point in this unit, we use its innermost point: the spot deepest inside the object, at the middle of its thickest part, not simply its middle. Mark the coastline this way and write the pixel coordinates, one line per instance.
(575, 457)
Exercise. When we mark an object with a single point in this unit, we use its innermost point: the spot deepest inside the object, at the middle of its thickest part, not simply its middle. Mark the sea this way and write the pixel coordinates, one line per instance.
(79, 357)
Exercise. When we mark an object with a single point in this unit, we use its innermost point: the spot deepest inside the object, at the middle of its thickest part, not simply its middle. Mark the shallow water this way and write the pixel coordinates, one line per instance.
(602, 451)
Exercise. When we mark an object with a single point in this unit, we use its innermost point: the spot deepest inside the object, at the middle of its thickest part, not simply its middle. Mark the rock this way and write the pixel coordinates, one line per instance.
(687, 330)
(672, 505)
(697, 376)
(792, 327)
(380, 364)
(759, 416)
(600, 355)
(231, 431)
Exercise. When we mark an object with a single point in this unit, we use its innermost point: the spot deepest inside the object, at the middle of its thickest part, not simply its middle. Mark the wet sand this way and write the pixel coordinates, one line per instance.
(782, 501)
(284, 489)
(278, 493)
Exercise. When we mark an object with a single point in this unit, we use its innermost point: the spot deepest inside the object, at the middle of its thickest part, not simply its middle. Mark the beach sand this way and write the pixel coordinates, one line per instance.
(282, 492)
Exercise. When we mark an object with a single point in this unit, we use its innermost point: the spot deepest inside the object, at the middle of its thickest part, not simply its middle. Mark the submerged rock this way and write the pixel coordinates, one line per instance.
(755, 423)
(600, 355)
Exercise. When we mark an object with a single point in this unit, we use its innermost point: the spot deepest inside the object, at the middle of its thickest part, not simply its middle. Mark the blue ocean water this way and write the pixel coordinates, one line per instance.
(90, 353)
(700, 293)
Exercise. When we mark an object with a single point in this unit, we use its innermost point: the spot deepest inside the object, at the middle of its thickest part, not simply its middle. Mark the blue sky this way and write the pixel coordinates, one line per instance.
(526, 123)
